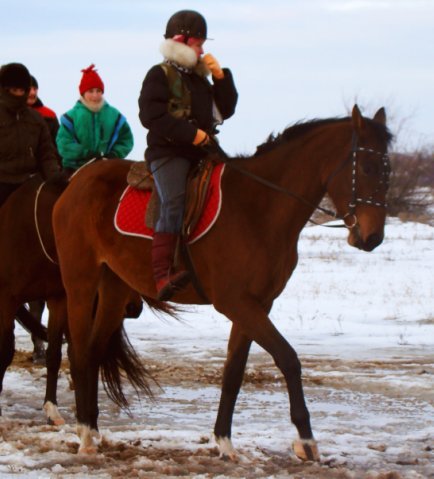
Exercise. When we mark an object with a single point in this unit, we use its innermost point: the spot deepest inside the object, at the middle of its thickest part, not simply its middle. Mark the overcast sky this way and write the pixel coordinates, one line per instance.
(291, 59)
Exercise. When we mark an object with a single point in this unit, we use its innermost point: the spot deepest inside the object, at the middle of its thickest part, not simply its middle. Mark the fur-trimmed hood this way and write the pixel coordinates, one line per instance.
(184, 56)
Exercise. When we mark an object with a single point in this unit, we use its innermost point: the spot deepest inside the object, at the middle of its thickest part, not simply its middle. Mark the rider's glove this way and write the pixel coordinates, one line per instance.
(201, 138)
(214, 66)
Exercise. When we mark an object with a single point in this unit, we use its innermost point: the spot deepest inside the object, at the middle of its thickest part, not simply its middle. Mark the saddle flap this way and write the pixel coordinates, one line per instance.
(197, 190)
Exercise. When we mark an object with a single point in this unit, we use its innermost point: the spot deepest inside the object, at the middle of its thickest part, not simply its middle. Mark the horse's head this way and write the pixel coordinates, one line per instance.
(358, 186)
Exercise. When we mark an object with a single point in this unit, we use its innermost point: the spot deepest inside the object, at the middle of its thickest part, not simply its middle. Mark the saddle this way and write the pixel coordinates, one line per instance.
(140, 177)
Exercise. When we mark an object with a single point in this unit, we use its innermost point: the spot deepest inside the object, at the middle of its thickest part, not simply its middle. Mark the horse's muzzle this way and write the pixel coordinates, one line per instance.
(372, 242)
(369, 244)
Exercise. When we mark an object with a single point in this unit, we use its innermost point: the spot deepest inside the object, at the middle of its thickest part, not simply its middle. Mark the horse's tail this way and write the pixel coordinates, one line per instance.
(31, 324)
(161, 306)
(121, 355)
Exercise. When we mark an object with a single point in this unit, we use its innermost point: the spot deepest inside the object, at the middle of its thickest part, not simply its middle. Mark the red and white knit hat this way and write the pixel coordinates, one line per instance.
(90, 79)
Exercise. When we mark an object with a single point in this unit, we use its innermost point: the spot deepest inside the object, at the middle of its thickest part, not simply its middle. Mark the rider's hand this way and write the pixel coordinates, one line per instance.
(201, 138)
(214, 66)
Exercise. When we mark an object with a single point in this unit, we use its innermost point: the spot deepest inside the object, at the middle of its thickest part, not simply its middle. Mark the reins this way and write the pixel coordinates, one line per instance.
(354, 198)
(227, 160)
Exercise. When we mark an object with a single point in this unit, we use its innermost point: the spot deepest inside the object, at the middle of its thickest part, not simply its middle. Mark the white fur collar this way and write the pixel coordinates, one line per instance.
(184, 56)
(95, 108)
(179, 53)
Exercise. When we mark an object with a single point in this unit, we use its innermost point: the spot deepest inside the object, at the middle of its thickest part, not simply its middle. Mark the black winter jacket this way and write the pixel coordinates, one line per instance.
(26, 147)
(170, 136)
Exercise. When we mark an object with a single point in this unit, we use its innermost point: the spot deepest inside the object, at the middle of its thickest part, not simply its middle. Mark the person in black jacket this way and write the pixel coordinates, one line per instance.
(50, 117)
(181, 109)
(25, 144)
(33, 101)
(26, 147)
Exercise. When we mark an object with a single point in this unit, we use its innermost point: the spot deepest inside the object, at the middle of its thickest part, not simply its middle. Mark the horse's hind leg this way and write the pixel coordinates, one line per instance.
(237, 355)
(254, 322)
(7, 340)
(38, 356)
(89, 339)
(57, 322)
(81, 287)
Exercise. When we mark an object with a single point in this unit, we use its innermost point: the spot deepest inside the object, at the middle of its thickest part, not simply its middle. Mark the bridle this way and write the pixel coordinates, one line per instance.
(349, 219)
(356, 198)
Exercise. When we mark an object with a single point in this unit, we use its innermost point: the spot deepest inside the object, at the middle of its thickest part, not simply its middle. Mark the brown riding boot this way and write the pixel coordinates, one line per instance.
(163, 253)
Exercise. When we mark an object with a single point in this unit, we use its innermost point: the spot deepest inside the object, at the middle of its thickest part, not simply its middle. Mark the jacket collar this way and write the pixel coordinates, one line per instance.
(183, 57)
(91, 106)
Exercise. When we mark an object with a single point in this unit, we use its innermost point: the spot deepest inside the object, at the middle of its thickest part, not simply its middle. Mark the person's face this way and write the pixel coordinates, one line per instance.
(33, 96)
(197, 45)
(94, 95)
(17, 91)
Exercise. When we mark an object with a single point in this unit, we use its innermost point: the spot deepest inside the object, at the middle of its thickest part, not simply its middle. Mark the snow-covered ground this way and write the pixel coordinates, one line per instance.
(363, 326)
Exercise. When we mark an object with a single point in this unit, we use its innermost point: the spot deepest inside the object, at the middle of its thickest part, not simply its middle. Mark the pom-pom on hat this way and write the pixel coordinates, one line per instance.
(14, 75)
(90, 79)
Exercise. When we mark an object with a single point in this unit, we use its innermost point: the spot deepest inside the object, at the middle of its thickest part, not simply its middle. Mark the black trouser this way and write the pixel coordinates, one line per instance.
(6, 189)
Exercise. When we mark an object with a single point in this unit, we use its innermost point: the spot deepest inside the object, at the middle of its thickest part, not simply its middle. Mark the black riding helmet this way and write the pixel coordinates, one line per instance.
(15, 75)
(188, 23)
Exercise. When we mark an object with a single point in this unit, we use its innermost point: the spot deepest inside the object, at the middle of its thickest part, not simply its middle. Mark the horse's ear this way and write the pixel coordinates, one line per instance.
(358, 121)
(380, 116)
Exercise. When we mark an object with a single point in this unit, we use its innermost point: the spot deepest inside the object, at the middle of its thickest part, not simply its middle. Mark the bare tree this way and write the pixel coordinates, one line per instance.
(411, 191)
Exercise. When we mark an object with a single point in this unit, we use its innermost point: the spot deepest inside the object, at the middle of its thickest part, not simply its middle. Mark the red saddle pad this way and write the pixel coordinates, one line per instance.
(130, 214)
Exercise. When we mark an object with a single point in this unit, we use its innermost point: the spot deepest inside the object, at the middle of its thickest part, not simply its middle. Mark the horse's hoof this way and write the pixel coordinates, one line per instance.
(58, 421)
(53, 416)
(306, 449)
(226, 449)
(88, 450)
(38, 357)
(87, 443)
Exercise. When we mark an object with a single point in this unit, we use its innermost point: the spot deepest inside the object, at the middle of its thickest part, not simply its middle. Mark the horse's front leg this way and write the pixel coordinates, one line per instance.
(256, 325)
(237, 355)
(57, 322)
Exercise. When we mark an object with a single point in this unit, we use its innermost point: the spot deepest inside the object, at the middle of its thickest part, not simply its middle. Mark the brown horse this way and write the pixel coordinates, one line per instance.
(243, 263)
(29, 272)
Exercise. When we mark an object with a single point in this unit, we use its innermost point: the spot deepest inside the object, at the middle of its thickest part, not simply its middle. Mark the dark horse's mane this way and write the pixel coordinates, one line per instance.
(302, 128)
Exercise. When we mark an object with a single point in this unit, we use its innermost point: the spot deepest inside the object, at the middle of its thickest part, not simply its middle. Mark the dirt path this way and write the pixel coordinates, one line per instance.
(369, 424)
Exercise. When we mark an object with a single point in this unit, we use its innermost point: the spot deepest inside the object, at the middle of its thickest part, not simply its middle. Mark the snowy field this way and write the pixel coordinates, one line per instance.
(363, 326)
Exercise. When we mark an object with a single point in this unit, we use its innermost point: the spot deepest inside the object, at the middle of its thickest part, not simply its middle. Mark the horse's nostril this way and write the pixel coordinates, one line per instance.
(372, 242)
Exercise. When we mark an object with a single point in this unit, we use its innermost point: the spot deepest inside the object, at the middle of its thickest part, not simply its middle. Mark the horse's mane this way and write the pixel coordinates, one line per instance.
(301, 128)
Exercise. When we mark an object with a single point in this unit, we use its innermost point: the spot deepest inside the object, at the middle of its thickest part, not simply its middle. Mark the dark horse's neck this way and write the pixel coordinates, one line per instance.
(299, 160)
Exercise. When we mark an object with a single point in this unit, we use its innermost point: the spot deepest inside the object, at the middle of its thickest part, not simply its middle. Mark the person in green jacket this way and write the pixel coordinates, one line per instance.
(92, 128)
